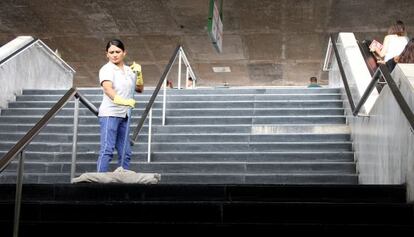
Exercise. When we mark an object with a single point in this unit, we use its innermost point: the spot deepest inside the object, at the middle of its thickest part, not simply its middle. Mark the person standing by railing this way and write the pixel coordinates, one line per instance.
(118, 82)
(393, 44)
(190, 83)
(407, 56)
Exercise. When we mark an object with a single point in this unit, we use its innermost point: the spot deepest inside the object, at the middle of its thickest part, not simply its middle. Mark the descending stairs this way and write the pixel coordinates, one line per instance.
(231, 160)
(128, 209)
(212, 136)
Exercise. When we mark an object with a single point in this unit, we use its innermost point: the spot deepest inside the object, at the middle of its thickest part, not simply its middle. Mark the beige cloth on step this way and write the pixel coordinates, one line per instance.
(120, 175)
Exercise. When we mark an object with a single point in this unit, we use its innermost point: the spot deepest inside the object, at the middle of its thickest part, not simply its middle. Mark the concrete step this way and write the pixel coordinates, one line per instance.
(204, 120)
(86, 192)
(196, 167)
(204, 104)
(189, 112)
(192, 156)
(94, 128)
(197, 178)
(186, 137)
(193, 146)
(193, 128)
(199, 97)
(244, 90)
(213, 209)
(260, 179)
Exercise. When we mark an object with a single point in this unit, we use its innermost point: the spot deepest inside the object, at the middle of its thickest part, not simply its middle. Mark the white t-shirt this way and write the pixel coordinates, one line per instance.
(396, 45)
(123, 82)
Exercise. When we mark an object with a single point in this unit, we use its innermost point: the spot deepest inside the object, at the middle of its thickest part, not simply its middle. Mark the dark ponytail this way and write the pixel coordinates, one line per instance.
(116, 42)
(407, 55)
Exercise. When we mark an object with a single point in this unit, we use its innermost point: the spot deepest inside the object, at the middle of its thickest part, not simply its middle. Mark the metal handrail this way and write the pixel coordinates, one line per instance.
(35, 130)
(44, 47)
(342, 72)
(383, 71)
(21, 49)
(155, 94)
(30, 135)
(20, 146)
(370, 61)
(87, 103)
(179, 51)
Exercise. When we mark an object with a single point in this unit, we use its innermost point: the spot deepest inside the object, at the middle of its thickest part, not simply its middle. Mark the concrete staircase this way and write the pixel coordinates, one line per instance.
(125, 209)
(212, 136)
(231, 160)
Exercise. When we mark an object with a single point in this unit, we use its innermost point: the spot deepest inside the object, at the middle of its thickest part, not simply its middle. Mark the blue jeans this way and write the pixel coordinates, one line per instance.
(114, 134)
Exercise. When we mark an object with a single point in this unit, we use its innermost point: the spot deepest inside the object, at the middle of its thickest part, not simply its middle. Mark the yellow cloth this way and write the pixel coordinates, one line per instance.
(136, 68)
(122, 101)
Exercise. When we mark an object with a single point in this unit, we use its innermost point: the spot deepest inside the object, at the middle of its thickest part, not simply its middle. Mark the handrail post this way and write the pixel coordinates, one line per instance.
(149, 135)
(367, 92)
(187, 63)
(328, 55)
(186, 77)
(179, 69)
(18, 149)
(161, 82)
(342, 71)
(18, 195)
(75, 138)
(164, 102)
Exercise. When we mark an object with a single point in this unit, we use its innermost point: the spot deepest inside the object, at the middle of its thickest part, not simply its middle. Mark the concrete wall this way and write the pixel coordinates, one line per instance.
(265, 42)
(34, 68)
(385, 149)
(383, 140)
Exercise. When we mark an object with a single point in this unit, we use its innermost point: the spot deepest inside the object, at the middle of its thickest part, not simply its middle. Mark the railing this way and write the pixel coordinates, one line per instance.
(17, 52)
(369, 58)
(332, 43)
(18, 149)
(163, 81)
(371, 62)
(382, 71)
(43, 46)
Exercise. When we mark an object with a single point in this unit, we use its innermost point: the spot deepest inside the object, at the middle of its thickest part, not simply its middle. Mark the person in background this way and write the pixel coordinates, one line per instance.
(394, 42)
(118, 82)
(407, 56)
(170, 84)
(313, 83)
(190, 83)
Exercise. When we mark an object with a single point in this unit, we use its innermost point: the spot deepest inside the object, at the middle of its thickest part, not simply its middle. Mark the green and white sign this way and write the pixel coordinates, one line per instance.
(215, 24)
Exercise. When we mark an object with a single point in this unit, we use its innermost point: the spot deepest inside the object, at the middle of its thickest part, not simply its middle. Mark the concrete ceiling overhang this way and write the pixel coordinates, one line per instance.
(265, 42)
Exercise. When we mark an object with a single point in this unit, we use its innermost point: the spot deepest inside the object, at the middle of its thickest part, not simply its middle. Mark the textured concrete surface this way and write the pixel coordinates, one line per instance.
(34, 68)
(386, 141)
(383, 140)
(266, 42)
